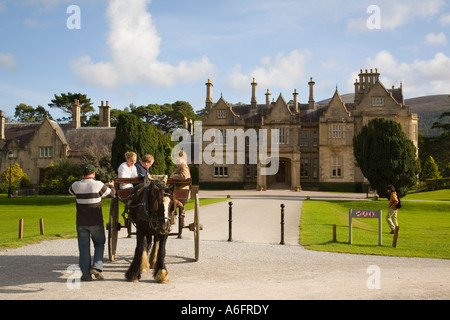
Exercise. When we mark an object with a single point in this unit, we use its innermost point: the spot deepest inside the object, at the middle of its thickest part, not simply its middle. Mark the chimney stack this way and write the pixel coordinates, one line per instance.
(268, 98)
(104, 119)
(311, 101)
(295, 94)
(209, 97)
(253, 101)
(76, 120)
(2, 126)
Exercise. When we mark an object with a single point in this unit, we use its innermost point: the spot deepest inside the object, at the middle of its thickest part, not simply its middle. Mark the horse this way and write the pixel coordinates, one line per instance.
(152, 208)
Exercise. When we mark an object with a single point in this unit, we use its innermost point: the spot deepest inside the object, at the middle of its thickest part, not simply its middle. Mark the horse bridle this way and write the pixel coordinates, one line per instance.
(154, 220)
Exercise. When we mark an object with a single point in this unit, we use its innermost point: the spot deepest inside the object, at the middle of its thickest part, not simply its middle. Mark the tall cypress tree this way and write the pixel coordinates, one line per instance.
(386, 156)
(133, 134)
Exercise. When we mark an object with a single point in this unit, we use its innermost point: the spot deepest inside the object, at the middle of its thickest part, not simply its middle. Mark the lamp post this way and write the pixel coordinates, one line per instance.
(10, 157)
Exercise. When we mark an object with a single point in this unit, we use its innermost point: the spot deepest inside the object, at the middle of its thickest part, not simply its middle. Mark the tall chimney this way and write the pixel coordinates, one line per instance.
(295, 94)
(76, 121)
(268, 98)
(209, 97)
(104, 119)
(356, 98)
(253, 101)
(311, 94)
(2, 126)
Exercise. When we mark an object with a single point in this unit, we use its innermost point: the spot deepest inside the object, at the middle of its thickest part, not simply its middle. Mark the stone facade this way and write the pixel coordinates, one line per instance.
(34, 146)
(315, 141)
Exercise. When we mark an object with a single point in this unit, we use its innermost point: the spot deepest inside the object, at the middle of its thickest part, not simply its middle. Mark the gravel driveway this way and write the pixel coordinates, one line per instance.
(253, 266)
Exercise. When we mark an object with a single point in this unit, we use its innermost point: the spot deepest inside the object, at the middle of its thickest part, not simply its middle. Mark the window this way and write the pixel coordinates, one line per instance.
(220, 137)
(304, 168)
(336, 167)
(13, 152)
(220, 171)
(221, 114)
(336, 131)
(377, 101)
(282, 135)
(304, 138)
(315, 139)
(315, 168)
(45, 152)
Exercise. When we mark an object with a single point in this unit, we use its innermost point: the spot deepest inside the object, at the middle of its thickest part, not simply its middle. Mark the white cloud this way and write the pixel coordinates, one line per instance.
(8, 62)
(134, 46)
(436, 39)
(421, 77)
(282, 71)
(395, 14)
(445, 20)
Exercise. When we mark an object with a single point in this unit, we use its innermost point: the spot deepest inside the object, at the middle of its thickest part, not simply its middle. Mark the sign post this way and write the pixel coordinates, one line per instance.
(370, 214)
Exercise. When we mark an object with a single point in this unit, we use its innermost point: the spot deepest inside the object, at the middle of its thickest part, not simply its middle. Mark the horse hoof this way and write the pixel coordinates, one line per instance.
(162, 276)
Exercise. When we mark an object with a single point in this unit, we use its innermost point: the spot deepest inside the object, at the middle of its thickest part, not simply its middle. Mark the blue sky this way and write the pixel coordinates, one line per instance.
(142, 52)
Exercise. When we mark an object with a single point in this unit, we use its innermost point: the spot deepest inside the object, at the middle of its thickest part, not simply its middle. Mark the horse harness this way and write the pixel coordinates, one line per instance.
(144, 211)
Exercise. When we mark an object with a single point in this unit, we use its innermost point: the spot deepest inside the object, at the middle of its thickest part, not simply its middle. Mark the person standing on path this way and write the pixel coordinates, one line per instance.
(391, 216)
(89, 193)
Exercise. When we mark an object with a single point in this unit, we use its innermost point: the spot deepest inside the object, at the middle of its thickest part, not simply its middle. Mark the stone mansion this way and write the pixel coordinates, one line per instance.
(315, 142)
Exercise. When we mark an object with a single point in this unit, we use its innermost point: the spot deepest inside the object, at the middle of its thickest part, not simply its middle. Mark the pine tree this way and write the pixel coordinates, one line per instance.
(386, 156)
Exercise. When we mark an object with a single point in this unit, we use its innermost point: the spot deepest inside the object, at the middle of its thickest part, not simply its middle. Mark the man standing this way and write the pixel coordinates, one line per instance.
(89, 193)
(391, 216)
(144, 164)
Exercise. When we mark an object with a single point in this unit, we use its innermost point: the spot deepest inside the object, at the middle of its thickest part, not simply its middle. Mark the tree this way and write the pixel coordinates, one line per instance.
(133, 134)
(19, 179)
(166, 117)
(101, 159)
(430, 170)
(65, 102)
(442, 125)
(386, 156)
(26, 113)
(60, 176)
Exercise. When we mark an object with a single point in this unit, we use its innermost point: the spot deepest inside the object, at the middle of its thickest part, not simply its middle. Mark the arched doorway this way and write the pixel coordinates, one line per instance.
(282, 179)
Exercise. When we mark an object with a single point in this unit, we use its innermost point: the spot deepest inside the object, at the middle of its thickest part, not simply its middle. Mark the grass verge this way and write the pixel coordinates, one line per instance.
(424, 228)
(58, 213)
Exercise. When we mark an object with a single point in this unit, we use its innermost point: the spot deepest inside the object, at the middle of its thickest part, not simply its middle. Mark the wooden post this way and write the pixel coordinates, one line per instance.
(334, 233)
(41, 225)
(20, 228)
(394, 242)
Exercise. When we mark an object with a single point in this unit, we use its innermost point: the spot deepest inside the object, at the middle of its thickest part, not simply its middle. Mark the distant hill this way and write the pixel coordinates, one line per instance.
(428, 108)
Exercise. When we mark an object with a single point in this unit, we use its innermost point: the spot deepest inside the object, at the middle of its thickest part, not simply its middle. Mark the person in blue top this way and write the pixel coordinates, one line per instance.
(144, 164)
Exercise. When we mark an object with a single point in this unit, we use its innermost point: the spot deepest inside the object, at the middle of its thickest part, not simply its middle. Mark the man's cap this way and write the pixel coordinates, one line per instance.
(88, 169)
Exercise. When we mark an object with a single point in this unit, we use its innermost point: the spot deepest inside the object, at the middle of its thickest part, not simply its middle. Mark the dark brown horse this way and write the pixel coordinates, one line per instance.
(152, 209)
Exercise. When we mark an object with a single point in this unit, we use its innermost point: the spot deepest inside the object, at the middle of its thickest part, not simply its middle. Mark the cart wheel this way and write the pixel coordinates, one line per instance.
(197, 229)
(112, 227)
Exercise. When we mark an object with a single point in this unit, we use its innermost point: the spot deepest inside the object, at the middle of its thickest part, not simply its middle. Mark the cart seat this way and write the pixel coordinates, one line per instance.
(182, 187)
(124, 193)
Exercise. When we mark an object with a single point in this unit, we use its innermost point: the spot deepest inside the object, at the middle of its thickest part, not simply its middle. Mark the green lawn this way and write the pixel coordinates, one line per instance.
(424, 227)
(58, 213)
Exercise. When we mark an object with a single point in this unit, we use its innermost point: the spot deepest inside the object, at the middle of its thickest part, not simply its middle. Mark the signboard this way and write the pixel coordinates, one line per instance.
(368, 214)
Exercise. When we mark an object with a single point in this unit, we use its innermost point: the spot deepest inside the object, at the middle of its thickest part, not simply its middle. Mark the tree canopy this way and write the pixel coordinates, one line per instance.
(26, 113)
(166, 117)
(386, 156)
(133, 134)
(65, 101)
